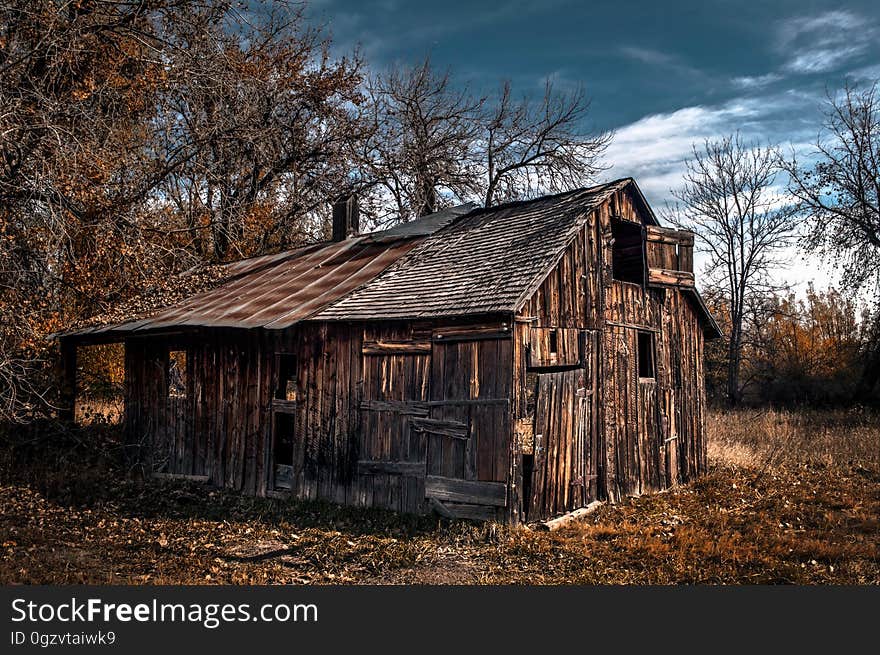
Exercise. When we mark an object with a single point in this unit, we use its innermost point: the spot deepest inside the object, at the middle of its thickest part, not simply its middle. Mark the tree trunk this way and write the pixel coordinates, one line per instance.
(734, 359)
(871, 372)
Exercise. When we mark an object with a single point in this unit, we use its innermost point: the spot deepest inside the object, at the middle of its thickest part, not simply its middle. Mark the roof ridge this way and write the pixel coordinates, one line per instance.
(596, 188)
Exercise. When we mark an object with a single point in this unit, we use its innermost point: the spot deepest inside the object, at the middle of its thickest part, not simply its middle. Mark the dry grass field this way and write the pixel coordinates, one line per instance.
(791, 497)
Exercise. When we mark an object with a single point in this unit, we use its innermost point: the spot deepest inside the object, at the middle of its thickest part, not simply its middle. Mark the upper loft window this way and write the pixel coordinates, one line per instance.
(628, 252)
(286, 387)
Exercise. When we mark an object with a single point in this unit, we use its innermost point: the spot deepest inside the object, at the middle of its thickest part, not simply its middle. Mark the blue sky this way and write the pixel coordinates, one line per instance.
(662, 75)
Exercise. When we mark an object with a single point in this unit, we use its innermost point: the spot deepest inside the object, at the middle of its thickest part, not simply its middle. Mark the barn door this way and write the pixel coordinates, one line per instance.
(634, 433)
(651, 459)
(391, 448)
(561, 472)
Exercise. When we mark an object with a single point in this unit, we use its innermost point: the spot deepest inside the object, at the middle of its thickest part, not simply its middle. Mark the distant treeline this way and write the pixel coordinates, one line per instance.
(800, 349)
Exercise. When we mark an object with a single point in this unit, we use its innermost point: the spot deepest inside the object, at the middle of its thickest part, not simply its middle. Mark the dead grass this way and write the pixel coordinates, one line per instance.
(790, 498)
(772, 438)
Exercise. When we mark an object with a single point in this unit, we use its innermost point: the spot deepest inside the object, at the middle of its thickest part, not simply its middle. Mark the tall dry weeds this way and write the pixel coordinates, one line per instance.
(764, 439)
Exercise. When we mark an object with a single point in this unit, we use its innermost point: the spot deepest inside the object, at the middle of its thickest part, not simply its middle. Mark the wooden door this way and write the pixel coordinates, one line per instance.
(563, 474)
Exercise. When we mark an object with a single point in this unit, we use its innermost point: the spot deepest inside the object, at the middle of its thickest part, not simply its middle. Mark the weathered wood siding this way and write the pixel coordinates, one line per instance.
(623, 435)
(508, 416)
(387, 414)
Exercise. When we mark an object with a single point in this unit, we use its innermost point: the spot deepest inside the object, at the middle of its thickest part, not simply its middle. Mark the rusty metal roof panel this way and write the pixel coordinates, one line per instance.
(277, 291)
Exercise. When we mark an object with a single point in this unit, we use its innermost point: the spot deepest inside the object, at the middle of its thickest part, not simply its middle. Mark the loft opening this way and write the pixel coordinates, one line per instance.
(645, 348)
(628, 251)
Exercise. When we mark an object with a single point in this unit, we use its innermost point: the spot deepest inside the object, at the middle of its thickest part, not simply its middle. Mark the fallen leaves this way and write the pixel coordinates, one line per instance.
(90, 523)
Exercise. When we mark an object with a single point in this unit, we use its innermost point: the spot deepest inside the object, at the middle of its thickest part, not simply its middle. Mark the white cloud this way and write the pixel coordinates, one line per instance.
(654, 149)
(822, 60)
(749, 83)
(822, 43)
(659, 59)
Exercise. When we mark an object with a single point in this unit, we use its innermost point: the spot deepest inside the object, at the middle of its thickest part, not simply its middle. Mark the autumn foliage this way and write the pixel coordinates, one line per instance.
(807, 349)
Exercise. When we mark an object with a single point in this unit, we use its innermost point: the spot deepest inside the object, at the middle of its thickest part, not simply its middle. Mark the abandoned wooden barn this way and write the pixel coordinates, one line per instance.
(510, 363)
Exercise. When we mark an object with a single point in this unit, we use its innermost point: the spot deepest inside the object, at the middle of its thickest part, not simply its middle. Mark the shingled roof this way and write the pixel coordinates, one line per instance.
(484, 262)
(457, 262)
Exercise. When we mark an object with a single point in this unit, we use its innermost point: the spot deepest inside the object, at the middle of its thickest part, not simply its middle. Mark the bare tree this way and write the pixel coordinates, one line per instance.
(538, 146)
(266, 118)
(839, 194)
(420, 151)
(140, 138)
(728, 200)
(432, 143)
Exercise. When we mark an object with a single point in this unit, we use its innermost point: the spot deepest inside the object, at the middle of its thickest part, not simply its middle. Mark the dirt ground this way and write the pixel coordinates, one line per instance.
(764, 513)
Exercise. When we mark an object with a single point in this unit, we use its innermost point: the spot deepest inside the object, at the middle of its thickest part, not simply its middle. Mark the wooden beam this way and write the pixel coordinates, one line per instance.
(567, 519)
(373, 467)
(409, 408)
(667, 277)
(396, 348)
(659, 234)
(462, 511)
(472, 332)
(633, 326)
(471, 512)
(468, 401)
(472, 492)
(455, 429)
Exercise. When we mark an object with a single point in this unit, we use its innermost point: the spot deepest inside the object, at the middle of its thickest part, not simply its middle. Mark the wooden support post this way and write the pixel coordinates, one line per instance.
(67, 397)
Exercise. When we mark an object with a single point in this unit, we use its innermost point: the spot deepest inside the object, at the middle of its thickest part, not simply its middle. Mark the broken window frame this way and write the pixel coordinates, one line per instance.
(646, 364)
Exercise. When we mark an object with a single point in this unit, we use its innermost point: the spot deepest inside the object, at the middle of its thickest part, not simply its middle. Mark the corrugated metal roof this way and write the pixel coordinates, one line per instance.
(275, 291)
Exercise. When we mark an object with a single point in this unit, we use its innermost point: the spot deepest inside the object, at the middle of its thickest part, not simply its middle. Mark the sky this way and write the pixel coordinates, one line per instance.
(661, 75)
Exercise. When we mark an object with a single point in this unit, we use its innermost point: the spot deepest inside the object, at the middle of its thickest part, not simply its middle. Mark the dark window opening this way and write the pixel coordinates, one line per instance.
(286, 387)
(628, 251)
(282, 449)
(528, 470)
(285, 425)
(177, 374)
(554, 348)
(646, 355)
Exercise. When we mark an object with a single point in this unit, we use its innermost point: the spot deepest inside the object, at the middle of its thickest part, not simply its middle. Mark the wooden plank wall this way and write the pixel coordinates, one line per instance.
(648, 432)
(212, 429)
(378, 408)
(570, 296)
(555, 406)
(653, 428)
